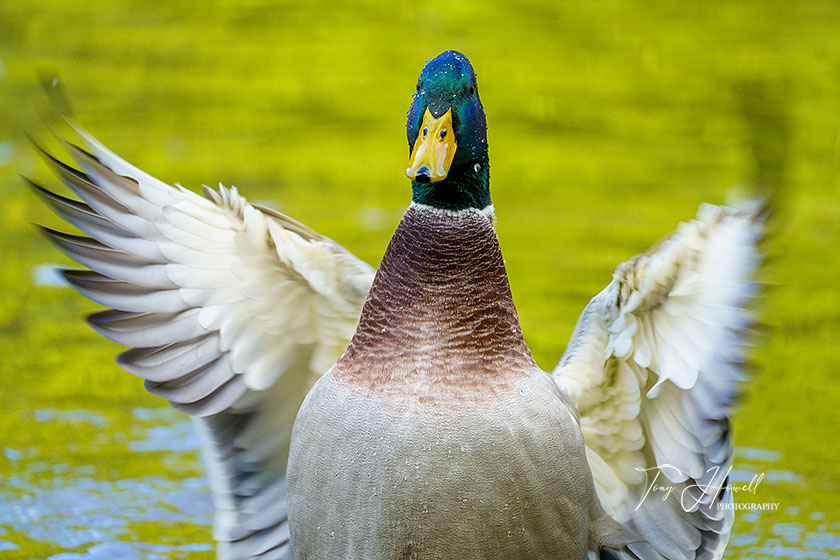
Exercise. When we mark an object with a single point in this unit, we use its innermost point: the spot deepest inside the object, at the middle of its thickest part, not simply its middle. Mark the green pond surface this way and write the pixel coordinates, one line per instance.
(609, 122)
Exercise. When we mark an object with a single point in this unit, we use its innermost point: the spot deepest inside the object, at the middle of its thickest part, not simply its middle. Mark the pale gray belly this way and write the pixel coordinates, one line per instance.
(372, 479)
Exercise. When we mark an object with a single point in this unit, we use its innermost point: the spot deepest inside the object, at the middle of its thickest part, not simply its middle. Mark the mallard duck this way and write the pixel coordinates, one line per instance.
(405, 401)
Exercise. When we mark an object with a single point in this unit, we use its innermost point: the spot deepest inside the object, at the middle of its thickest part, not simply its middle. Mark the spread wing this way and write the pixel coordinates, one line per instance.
(654, 365)
(232, 312)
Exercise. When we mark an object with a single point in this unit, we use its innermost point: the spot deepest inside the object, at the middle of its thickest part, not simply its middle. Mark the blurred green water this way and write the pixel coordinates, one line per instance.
(609, 123)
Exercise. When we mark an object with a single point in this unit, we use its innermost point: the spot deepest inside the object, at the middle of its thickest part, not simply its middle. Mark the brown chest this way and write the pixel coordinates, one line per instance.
(439, 321)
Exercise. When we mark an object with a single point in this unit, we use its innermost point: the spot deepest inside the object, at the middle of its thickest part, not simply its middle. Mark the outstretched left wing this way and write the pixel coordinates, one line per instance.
(654, 365)
(232, 312)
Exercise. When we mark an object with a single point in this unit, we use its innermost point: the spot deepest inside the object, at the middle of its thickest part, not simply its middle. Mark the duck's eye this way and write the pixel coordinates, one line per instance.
(442, 134)
(418, 87)
(471, 91)
(425, 132)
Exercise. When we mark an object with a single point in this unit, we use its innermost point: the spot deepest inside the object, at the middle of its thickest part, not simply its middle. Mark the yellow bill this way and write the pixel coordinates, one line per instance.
(433, 150)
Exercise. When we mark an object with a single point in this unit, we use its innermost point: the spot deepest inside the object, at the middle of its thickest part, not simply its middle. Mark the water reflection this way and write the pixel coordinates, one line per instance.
(50, 414)
(66, 506)
(130, 551)
(76, 511)
(760, 534)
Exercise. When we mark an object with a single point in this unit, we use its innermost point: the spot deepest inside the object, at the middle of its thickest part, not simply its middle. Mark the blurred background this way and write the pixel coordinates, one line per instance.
(609, 122)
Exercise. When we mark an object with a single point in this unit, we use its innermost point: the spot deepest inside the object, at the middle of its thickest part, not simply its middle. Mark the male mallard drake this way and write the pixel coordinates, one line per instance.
(434, 435)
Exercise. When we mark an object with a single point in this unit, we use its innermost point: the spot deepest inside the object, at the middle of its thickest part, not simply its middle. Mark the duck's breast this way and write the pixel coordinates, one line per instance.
(374, 475)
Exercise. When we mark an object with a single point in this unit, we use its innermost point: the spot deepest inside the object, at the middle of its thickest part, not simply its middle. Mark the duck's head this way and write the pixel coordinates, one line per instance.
(447, 136)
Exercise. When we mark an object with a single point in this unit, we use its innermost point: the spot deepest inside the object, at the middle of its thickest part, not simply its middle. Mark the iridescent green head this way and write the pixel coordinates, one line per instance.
(447, 136)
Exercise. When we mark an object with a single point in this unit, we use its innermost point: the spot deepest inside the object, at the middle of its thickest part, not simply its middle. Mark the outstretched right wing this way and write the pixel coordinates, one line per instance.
(232, 310)
(654, 366)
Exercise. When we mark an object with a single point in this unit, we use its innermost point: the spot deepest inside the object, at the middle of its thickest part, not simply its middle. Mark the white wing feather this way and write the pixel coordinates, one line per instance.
(654, 365)
(233, 311)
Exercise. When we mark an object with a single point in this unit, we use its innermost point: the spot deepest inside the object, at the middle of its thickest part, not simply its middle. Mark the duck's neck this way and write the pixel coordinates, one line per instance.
(440, 309)
(466, 186)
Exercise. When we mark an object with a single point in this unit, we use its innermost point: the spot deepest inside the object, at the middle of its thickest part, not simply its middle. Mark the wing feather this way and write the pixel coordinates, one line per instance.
(110, 262)
(146, 329)
(123, 295)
